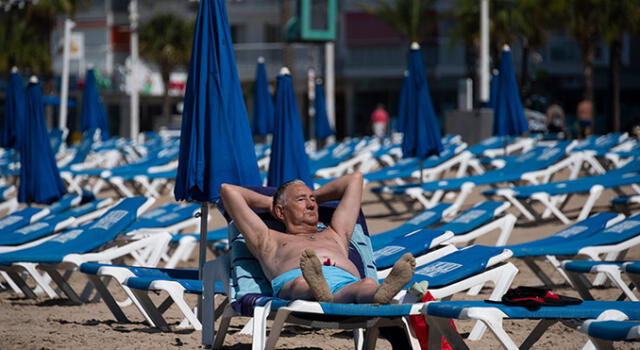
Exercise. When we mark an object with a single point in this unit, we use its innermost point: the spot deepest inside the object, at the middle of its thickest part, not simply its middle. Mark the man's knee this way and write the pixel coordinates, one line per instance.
(368, 283)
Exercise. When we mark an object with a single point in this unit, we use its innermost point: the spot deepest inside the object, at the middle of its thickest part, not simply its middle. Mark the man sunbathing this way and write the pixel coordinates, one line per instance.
(310, 260)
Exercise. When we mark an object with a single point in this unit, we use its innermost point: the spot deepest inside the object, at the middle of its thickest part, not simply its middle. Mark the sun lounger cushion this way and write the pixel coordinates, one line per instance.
(165, 215)
(580, 231)
(472, 218)
(47, 225)
(456, 266)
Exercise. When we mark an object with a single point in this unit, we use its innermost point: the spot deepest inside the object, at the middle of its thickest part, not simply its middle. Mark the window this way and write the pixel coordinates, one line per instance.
(238, 33)
(272, 33)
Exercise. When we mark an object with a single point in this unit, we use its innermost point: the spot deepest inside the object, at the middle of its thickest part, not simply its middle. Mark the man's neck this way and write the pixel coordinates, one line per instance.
(301, 229)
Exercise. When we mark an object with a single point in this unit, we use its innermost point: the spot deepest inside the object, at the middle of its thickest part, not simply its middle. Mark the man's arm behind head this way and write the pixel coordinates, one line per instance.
(348, 190)
(239, 203)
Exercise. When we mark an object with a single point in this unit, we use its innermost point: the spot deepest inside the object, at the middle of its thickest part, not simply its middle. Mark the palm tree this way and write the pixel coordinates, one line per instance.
(583, 19)
(26, 31)
(166, 40)
(524, 20)
(621, 16)
(402, 15)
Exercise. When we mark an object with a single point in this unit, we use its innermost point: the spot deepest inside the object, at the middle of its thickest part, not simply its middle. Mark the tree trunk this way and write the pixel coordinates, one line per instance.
(166, 99)
(524, 77)
(588, 56)
(614, 81)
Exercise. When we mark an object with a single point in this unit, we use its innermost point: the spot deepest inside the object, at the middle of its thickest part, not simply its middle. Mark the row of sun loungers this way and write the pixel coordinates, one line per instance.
(80, 233)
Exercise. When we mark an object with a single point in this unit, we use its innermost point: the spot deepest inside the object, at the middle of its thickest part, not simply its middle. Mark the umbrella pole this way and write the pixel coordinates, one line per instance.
(204, 217)
(421, 169)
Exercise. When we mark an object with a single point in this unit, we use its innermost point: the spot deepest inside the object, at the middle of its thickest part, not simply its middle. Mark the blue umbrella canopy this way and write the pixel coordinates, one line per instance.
(322, 126)
(422, 136)
(13, 112)
(92, 114)
(288, 157)
(508, 115)
(402, 103)
(40, 180)
(215, 140)
(262, 102)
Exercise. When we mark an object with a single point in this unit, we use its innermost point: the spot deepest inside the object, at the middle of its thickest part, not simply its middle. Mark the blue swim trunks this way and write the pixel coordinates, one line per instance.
(336, 277)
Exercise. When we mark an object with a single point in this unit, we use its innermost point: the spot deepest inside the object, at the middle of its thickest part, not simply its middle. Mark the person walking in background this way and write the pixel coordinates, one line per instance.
(585, 118)
(379, 121)
(555, 119)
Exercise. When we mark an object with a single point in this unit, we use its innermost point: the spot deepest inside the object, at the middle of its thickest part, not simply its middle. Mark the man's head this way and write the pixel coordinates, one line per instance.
(295, 205)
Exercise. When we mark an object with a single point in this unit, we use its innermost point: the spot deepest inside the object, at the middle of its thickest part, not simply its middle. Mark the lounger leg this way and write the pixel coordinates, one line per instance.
(276, 328)
(177, 294)
(601, 344)
(581, 284)
(538, 272)
(22, 285)
(371, 337)
(260, 315)
(358, 338)
(536, 333)
(594, 194)
(10, 282)
(62, 284)
(440, 327)
(502, 283)
(151, 310)
(40, 280)
(225, 320)
(544, 199)
(613, 272)
(108, 298)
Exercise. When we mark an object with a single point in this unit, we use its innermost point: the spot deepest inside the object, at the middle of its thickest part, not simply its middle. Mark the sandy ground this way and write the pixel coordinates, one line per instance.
(58, 324)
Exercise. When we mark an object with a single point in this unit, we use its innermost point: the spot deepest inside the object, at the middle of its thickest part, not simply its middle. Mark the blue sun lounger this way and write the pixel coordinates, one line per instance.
(8, 199)
(601, 237)
(49, 254)
(29, 215)
(437, 315)
(603, 333)
(137, 281)
(611, 269)
(535, 166)
(183, 245)
(15, 239)
(412, 237)
(553, 196)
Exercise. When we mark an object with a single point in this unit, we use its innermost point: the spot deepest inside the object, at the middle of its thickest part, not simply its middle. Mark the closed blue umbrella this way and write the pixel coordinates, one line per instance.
(262, 102)
(402, 103)
(40, 180)
(422, 136)
(508, 116)
(288, 157)
(215, 139)
(322, 126)
(493, 89)
(92, 114)
(13, 112)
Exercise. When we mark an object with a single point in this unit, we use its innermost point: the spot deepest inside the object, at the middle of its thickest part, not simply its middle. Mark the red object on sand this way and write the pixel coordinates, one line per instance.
(421, 329)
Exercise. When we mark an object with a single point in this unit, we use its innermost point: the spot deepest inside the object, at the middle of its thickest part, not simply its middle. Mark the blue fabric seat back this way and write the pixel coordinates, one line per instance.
(472, 218)
(165, 215)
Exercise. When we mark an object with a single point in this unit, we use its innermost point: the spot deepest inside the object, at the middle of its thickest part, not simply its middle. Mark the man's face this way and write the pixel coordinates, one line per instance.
(300, 206)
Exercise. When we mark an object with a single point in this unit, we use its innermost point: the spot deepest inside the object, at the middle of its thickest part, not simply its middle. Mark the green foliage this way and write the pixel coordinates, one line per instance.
(405, 16)
(527, 21)
(166, 40)
(24, 34)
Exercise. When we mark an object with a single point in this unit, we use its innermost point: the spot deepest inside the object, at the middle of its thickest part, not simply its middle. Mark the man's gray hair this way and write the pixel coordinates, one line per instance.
(279, 196)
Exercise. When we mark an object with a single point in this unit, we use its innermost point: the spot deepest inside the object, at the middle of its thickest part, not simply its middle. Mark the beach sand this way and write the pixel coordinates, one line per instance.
(58, 324)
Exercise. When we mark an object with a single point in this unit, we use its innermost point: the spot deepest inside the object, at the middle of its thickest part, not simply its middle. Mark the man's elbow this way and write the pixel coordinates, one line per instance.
(225, 189)
(357, 177)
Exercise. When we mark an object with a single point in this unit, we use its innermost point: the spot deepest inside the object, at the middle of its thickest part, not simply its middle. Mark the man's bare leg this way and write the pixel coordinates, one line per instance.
(400, 275)
(312, 272)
